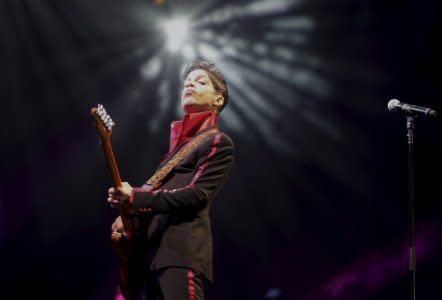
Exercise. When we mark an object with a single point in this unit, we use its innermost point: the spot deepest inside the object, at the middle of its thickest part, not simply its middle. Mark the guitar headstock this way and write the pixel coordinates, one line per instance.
(103, 121)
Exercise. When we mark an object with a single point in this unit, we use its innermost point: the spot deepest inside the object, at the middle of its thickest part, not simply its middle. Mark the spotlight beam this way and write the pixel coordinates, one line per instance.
(177, 32)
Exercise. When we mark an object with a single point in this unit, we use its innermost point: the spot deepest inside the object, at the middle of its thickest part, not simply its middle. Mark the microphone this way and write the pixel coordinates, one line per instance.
(396, 105)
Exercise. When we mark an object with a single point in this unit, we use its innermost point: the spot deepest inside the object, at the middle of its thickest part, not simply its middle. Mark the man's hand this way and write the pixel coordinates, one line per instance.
(117, 196)
(117, 225)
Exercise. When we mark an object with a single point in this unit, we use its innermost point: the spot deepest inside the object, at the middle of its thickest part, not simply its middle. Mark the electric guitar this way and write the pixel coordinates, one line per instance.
(122, 242)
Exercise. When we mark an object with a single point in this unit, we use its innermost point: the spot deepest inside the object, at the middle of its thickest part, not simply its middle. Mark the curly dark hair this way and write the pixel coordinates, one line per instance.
(215, 75)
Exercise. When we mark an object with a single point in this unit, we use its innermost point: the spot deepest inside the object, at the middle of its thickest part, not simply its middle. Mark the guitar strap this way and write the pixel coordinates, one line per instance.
(157, 178)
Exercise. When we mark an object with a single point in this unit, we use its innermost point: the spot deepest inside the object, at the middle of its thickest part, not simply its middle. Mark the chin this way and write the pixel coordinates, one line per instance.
(187, 102)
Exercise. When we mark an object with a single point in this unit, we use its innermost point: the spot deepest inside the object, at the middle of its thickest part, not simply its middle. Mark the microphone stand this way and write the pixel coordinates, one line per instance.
(412, 253)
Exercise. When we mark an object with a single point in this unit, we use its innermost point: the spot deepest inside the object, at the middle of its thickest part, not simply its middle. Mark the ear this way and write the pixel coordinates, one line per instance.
(219, 101)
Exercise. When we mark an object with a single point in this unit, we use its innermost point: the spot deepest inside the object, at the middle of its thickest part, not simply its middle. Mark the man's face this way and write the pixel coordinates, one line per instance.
(199, 94)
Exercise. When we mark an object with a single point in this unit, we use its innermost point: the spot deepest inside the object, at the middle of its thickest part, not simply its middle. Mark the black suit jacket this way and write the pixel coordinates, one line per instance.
(180, 233)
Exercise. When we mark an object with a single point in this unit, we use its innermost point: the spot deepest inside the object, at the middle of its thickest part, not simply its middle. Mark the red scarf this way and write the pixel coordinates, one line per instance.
(182, 131)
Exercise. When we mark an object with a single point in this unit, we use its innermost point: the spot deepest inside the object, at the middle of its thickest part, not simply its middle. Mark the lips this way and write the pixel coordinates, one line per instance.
(187, 93)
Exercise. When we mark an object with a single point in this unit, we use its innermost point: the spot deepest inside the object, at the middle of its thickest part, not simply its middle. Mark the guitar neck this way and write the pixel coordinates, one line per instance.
(104, 124)
(111, 163)
(116, 179)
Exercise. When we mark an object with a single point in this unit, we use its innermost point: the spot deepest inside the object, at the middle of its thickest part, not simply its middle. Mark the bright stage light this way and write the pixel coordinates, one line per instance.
(177, 31)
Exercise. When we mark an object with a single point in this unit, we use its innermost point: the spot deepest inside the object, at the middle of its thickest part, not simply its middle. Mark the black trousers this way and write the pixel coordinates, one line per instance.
(172, 284)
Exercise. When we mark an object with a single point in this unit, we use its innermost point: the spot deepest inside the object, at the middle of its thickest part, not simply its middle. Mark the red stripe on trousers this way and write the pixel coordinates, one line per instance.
(191, 285)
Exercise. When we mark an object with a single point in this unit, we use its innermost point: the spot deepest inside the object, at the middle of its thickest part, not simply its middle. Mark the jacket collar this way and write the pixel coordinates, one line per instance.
(183, 130)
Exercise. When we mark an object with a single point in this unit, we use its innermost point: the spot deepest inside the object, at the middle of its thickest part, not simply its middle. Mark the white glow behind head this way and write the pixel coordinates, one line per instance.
(177, 31)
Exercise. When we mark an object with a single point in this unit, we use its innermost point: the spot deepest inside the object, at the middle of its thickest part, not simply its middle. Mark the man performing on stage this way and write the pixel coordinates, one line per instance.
(172, 208)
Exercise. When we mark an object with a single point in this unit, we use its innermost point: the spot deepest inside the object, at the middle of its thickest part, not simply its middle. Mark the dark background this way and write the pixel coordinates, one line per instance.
(317, 204)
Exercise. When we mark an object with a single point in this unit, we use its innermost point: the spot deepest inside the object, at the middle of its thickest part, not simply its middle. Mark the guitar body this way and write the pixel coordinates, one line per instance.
(130, 242)
(131, 253)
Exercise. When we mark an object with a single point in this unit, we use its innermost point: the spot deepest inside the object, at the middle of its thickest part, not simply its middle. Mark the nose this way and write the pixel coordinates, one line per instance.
(188, 84)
